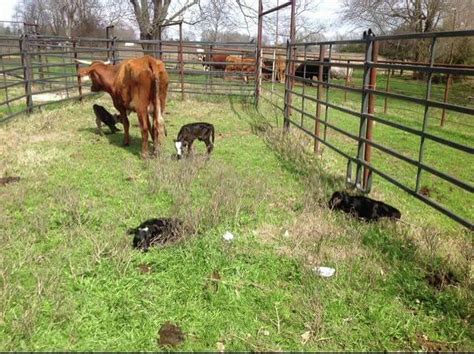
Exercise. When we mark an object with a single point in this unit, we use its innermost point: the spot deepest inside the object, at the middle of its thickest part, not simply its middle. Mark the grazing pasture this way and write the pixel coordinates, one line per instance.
(70, 279)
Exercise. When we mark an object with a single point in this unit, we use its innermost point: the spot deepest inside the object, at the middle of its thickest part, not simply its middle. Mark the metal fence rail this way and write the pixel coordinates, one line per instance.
(340, 114)
(318, 107)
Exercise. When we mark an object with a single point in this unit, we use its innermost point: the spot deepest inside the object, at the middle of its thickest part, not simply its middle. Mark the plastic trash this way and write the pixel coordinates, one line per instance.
(286, 234)
(228, 236)
(325, 272)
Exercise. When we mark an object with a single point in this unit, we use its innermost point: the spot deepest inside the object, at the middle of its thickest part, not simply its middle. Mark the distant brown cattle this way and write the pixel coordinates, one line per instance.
(280, 66)
(244, 66)
(134, 85)
(213, 61)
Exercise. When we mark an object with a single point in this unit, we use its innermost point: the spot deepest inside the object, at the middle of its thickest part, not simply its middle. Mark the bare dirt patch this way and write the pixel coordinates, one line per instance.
(170, 335)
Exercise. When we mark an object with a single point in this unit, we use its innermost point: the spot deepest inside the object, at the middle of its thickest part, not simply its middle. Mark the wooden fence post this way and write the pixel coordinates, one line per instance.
(370, 122)
(449, 82)
(181, 63)
(347, 80)
(27, 77)
(79, 80)
(318, 97)
(387, 89)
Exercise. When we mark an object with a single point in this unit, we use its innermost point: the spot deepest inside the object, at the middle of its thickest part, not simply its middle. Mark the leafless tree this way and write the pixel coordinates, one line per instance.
(386, 16)
(216, 18)
(151, 14)
(63, 17)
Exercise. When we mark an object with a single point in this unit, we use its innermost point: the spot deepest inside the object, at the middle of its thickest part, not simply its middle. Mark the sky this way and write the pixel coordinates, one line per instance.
(6, 9)
(327, 13)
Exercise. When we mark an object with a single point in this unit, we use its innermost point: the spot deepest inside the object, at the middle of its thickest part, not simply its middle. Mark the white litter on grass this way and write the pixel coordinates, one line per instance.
(286, 234)
(228, 236)
(324, 271)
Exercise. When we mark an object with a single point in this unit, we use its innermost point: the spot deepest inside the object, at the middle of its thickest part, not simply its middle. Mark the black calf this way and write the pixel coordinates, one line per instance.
(156, 232)
(103, 116)
(362, 207)
(190, 132)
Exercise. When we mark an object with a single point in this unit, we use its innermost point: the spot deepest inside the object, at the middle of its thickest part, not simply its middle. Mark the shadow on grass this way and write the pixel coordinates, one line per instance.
(117, 139)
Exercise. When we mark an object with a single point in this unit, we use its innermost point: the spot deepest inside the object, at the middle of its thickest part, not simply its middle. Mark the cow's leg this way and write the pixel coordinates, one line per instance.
(158, 131)
(126, 127)
(190, 147)
(143, 120)
(209, 145)
(99, 126)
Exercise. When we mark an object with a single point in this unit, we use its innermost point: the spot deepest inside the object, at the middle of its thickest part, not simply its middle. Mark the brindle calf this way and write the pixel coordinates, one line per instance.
(190, 132)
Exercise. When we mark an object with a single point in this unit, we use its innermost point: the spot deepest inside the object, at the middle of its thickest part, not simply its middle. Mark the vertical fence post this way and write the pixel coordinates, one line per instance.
(40, 58)
(211, 68)
(449, 82)
(109, 30)
(113, 50)
(317, 125)
(387, 89)
(27, 77)
(326, 107)
(371, 110)
(304, 85)
(363, 113)
(425, 115)
(66, 79)
(181, 64)
(79, 80)
(258, 67)
(346, 81)
(160, 45)
(287, 95)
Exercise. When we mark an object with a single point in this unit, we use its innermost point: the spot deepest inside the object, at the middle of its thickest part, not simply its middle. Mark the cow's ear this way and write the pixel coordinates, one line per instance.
(85, 71)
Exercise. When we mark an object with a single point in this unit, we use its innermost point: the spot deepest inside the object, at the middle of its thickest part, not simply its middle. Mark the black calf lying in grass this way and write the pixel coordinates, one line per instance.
(103, 116)
(190, 132)
(156, 232)
(362, 207)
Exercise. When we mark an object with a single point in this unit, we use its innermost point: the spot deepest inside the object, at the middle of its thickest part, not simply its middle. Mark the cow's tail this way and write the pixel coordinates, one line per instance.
(212, 131)
(157, 114)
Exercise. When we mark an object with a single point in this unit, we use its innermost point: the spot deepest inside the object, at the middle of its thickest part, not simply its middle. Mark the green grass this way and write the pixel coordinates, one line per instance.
(71, 281)
(459, 128)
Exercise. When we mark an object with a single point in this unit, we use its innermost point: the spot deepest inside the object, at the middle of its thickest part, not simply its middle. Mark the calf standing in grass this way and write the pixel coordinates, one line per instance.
(103, 116)
(190, 132)
(362, 207)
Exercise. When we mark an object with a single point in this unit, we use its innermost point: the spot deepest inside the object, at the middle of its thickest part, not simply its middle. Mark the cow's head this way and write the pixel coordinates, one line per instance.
(100, 74)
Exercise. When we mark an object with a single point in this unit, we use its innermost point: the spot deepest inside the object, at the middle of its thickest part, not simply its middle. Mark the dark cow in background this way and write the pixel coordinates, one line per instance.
(134, 85)
(310, 69)
(362, 207)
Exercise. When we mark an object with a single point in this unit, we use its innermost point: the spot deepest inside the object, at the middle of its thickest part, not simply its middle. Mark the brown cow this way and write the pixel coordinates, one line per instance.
(280, 68)
(213, 61)
(134, 85)
(245, 66)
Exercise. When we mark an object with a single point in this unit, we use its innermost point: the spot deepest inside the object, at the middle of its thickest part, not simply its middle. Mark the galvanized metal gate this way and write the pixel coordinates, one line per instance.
(361, 159)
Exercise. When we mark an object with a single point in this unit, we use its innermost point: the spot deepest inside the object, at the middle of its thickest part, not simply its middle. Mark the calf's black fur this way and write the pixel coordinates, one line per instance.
(103, 116)
(362, 207)
(156, 232)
